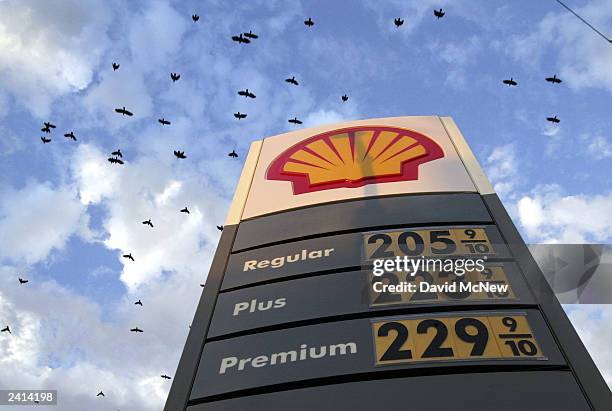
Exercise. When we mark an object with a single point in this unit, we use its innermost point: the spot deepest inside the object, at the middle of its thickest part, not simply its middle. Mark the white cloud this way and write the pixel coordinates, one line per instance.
(502, 166)
(599, 147)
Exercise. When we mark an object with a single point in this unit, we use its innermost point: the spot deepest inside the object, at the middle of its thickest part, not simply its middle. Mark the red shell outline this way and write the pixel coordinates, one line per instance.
(301, 183)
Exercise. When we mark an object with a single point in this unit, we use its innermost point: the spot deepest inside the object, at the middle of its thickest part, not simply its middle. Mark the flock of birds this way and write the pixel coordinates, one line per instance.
(553, 80)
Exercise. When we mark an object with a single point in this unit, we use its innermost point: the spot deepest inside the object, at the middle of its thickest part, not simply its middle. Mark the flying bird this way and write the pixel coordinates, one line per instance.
(115, 66)
(115, 160)
(220, 227)
(47, 124)
(239, 115)
(124, 112)
(100, 394)
(22, 281)
(233, 154)
(185, 210)
(345, 98)
(241, 39)
(47, 127)
(510, 82)
(163, 121)
(129, 256)
(175, 76)
(164, 376)
(136, 330)
(148, 222)
(439, 14)
(195, 17)
(294, 120)
(138, 303)
(179, 154)
(398, 22)
(70, 135)
(117, 153)
(309, 22)
(6, 329)
(246, 93)
(292, 80)
(553, 79)
(553, 119)
(251, 35)
(45, 140)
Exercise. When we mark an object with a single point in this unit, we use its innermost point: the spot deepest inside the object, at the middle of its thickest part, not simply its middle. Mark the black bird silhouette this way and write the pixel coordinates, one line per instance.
(241, 39)
(202, 285)
(185, 210)
(163, 121)
(100, 394)
(117, 153)
(233, 154)
(47, 127)
(124, 112)
(22, 281)
(179, 154)
(114, 160)
(47, 124)
(138, 303)
(345, 98)
(129, 256)
(195, 17)
(175, 76)
(439, 14)
(553, 79)
(45, 140)
(115, 66)
(220, 227)
(292, 80)
(553, 119)
(70, 135)
(246, 93)
(309, 22)
(6, 329)
(251, 35)
(164, 376)
(148, 222)
(294, 120)
(510, 82)
(398, 22)
(136, 330)
(239, 115)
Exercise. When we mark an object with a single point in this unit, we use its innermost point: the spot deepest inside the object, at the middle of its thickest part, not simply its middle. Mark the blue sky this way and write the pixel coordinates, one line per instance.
(66, 215)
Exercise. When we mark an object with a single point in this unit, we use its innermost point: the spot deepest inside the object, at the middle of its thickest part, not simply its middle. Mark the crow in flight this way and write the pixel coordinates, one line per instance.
(241, 39)
(292, 80)
(195, 17)
(175, 76)
(251, 35)
(179, 154)
(47, 127)
(100, 394)
(124, 112)
(45, 140)
(136, 330)
(22, 281)
(70, 135)
(233, 154)
(185, 210)
(309, 22)
(239, 115)
(6, 329)
(510, 82)
(148, 222)
(294, 120)
(117, 153)
(114, 160)
(345, 98)
(220, 227)
(398, 22)
(163, 121)
(128, 256)
(439, 14)
(115, 66)
(553, 119)
(138, 303)
(246, 93)
(553, 79)
(164, 376)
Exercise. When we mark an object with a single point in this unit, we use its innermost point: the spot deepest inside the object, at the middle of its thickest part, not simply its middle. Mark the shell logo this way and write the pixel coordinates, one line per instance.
(354, 157)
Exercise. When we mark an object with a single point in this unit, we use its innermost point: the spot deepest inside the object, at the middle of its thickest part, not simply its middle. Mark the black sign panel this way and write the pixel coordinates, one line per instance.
(354, 347)
(349, 250)
(354, 292)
